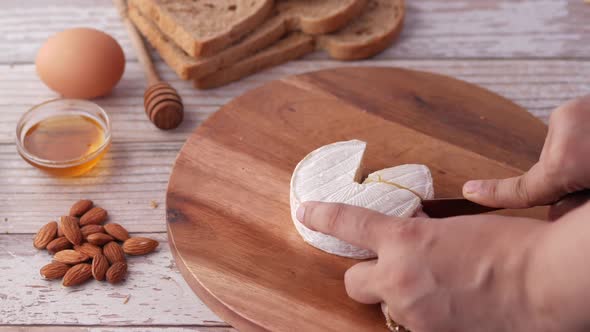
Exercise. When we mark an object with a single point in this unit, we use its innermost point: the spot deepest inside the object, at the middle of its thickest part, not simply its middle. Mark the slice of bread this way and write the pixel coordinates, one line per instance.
(309, 16)
(293, 46)
(187, 67)
(203, 27)
(370, 33)
(315, 17)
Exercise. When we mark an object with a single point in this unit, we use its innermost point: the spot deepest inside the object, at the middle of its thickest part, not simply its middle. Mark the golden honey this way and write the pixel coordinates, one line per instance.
(64, 137)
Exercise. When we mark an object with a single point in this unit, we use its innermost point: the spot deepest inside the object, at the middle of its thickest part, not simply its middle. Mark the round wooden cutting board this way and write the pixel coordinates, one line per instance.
(228, 198)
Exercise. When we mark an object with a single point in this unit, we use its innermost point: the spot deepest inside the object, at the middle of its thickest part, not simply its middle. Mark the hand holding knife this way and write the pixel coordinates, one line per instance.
(450, 207)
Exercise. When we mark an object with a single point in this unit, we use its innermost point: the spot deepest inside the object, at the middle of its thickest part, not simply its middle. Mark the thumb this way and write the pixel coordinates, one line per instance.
(533, 188)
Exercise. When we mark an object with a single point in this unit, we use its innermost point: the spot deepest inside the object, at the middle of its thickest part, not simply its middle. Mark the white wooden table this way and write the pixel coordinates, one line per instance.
(534, 52)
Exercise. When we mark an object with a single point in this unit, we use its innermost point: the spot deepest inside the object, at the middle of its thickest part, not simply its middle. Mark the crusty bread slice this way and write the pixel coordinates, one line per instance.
(293, 46)
(203, 27)
(370, 33)
(187, 67)
(315, 17)
(309, 16)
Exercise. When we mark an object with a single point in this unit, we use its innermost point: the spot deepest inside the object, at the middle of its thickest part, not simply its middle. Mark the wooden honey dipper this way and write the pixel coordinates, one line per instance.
(161, 101)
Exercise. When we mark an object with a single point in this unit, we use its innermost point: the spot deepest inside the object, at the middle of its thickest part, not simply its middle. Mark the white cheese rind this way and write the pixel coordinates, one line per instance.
(328, 175)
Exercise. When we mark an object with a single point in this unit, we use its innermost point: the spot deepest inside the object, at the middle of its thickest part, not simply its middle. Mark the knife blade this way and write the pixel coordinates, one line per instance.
(458, 206)
(450, 207)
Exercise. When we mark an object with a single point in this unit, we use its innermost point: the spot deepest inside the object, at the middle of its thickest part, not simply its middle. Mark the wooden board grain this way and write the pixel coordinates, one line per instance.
(137, 168)
(537, 85)
(534, 52)
(228, 197)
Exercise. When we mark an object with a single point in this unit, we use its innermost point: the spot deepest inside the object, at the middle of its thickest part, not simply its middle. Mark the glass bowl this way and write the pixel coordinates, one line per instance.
(53, 111)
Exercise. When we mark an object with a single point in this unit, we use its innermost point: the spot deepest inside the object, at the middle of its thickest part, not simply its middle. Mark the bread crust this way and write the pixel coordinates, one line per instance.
(289, 48)
(289, 16)
(187, 67)
(168, 24)
(363, 48)
(346, 44)
(369, 33)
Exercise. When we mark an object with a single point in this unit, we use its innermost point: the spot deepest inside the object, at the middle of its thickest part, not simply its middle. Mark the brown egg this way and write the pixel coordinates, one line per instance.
(81, 63)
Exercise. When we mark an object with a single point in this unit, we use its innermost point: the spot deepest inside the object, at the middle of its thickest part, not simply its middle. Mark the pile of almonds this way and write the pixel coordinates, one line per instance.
(83, 248)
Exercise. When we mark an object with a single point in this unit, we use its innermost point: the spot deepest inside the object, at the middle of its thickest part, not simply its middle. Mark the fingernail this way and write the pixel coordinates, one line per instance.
(300, 214)
(471, 187)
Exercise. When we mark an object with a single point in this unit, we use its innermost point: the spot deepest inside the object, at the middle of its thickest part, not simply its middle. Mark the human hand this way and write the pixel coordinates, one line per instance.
(458, 274)
(562, 168)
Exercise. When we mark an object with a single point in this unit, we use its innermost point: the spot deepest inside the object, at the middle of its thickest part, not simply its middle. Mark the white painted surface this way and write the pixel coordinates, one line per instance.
(434, 28)
(535, 52)
(157, 293)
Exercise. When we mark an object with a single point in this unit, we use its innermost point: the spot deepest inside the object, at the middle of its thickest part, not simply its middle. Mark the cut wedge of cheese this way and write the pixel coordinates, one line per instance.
(332, 174)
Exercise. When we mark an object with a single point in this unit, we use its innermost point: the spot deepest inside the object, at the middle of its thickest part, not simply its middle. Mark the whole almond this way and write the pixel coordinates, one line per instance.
(88, 249)
(54, 270)
(58, 244)
(100, 265)
(116, 273)
(117, 231)
(99, 238)
(78, 274)
(94, 216)
(91, 229)
(135, 246)
(113, 252)
(80, 207)
(45, 235)
(70, 256)
(71, 229)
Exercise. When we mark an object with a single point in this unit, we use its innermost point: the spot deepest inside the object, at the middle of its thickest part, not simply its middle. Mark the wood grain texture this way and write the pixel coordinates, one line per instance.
(444, 34)
(434, 28)
(157, 293)
(537, 85)
(228, 212)
(137, 168)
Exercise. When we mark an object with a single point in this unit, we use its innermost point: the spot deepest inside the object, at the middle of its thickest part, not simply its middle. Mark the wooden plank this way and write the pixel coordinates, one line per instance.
(137, 168)
(125, 182)
(239, 218)
(536, 85)
(151, 328)
(155, 292)
(434, 28)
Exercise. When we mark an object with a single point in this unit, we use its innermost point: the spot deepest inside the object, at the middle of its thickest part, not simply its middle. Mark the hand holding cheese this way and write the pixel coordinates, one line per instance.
(468, 273)
(332, 174)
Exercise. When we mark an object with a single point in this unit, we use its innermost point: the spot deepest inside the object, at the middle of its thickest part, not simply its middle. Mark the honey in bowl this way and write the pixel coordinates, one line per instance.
(64, 137)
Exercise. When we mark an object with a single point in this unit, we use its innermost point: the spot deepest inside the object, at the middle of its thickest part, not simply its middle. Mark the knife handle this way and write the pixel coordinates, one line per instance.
(568, 203)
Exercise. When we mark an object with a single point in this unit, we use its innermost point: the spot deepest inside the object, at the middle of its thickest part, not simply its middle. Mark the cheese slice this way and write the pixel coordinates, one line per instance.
(332, 174)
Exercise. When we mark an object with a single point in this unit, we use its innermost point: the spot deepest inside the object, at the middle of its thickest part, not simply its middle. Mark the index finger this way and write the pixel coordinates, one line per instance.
(358, 226)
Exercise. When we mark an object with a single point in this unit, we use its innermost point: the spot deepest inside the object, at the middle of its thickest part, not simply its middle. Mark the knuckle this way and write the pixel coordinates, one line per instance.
(408, 229)
(400, 278)
(404, 279)
(522, 191)
(334, 213)
(494, 192)
(365, 224)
